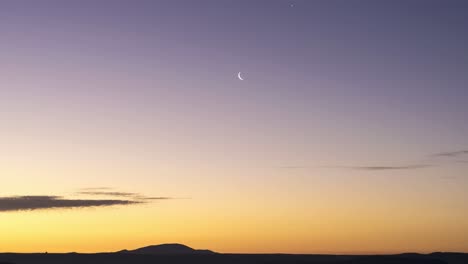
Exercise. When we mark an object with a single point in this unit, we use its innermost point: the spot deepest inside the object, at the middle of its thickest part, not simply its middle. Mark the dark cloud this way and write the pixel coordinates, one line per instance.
(451, 154)
(382, 168)
(22, 203)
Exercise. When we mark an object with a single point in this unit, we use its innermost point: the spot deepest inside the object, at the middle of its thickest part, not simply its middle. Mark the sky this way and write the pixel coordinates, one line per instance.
(123, 124)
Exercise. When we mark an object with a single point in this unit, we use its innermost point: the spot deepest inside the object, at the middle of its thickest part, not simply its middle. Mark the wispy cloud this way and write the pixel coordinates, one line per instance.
(449, 178)
(23, 203)
(156, 198)
(364, 167)
(100, 193)
(111, 193)
(454, 156)
(96, 189)
(383, 168)
(451, 153)
(293, 167)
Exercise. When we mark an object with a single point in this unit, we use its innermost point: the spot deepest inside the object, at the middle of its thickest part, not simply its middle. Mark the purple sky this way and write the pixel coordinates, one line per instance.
(371, 74)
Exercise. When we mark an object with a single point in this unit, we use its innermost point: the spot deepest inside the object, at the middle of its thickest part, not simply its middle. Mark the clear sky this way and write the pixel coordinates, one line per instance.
(123, 124)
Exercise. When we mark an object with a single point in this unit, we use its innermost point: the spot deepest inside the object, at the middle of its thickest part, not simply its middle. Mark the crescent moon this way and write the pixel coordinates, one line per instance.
(239, 76)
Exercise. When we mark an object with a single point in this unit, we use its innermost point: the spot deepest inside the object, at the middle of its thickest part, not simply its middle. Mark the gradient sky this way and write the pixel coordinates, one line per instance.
(348, 134)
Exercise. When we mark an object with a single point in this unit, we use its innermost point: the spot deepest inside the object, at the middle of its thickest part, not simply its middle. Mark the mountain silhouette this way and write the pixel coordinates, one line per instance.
(167, 249)
(180, 254)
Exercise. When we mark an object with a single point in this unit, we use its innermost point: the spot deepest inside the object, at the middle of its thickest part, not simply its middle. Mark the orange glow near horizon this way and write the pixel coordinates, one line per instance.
(323, 217)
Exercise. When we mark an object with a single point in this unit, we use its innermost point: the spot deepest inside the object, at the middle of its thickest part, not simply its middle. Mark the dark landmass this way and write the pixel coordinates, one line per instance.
(167, 249)
(180, 254)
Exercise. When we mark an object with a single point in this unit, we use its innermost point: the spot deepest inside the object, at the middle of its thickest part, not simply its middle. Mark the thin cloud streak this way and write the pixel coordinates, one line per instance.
(293, 167)
(451, 154)
(122, 194)
(128, 195)
(157, 198)
(96, 189)
(384, 168)
(27, 203)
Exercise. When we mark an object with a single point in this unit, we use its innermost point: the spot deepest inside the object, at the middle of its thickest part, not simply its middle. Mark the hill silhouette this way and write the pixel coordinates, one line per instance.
(167, 249)
(181, 254)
